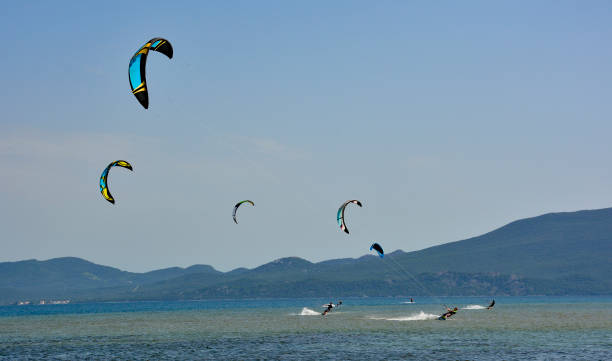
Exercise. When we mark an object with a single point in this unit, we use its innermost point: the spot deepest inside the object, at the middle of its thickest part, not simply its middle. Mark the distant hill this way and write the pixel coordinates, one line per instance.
(68, 276)
(549, 246)
(555, 254)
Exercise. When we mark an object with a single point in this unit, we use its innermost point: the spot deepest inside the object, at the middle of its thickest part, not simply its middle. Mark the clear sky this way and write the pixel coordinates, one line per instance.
(447, 119)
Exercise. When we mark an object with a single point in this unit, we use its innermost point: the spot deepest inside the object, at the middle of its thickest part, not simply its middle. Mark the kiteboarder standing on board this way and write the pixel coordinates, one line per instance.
(329, 308)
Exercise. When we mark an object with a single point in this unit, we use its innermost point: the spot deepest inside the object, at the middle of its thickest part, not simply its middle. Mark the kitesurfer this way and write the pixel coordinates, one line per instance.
(329, 306)
(491, 305)
(449, 313)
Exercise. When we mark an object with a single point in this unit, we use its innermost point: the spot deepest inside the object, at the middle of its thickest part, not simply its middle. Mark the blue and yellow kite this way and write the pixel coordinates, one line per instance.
(138, 63)
(104, 178)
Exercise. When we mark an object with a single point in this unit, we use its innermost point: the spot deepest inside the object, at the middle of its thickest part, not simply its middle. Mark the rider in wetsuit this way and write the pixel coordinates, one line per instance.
(329, 308)
(449, 313)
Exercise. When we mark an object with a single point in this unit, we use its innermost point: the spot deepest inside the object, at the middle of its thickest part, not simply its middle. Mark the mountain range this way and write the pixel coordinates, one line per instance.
(552, 254)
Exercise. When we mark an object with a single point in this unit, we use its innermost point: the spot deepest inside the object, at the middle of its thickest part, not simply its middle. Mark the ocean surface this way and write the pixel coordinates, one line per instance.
(517, 328)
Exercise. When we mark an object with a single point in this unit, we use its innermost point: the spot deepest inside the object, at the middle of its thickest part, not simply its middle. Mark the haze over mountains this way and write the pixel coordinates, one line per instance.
(553, 254)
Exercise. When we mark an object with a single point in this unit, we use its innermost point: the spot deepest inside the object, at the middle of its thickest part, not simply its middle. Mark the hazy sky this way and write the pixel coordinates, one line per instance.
(446, 119)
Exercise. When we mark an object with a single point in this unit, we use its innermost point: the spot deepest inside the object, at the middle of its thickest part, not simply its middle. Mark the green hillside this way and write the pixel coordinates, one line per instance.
(70, 277)
(557, 253)
(551, 246)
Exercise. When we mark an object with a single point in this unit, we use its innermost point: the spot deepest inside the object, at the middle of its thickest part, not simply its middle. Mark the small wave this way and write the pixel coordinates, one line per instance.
(408, 302)
(421, 316)
(308, 312)
(474, 307)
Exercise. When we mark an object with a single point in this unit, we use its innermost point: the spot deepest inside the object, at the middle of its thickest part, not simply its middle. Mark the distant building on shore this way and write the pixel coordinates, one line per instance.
(54, 302)
(59, 302)
(44, 302)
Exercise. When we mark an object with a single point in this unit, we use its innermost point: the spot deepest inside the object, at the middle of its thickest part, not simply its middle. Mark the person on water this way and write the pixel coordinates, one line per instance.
(339, 303)
(329, 308)
(449, 312)
(491, 305)
(411, 300)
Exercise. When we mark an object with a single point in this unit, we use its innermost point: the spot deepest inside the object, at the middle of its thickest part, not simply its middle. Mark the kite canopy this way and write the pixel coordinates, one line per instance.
(104, 178)
(340, 216)
(377, 248)
(238, 205)
(138, 63)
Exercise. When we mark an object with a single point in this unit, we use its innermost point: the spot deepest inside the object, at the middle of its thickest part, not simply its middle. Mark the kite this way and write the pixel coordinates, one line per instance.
(138, 81)
(238, 205)
(104, 178)
(341, 214)
(377, 248)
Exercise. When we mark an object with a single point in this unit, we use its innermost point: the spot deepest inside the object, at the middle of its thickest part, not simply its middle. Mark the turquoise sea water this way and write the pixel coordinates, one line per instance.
(518, 328)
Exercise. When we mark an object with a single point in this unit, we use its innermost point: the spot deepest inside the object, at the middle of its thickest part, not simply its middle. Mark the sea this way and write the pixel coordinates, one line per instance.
(517, 328)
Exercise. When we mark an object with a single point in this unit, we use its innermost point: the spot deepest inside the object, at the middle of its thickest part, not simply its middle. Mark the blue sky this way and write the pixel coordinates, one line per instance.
(445, 119)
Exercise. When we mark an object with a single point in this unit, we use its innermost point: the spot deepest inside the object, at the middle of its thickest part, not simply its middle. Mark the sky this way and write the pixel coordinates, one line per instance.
(445, 119)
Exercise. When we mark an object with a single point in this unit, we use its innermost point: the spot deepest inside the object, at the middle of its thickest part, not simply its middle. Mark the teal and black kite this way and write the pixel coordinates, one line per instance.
(340, 216)
(375, 246)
